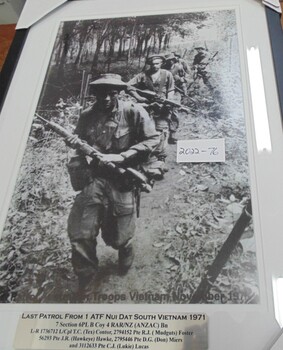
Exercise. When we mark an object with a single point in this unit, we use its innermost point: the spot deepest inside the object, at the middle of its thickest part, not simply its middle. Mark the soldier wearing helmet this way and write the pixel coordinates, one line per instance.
(125, 134)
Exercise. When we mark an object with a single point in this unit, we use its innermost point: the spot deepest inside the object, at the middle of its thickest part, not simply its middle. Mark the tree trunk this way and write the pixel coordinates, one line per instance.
(66, 46)
(105, 48)
(160, 37)
(82, 42)
(131, 42)
(67, 36)
(120, 47)
(101, 36)
(59, 53)
(146, 41)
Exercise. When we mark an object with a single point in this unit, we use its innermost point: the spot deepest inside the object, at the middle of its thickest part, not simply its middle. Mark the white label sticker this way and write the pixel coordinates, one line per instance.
(112, 331)
(198, 151)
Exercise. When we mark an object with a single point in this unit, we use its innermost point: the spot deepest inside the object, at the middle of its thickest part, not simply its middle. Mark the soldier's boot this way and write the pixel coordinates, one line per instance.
(156, 174)
(87, 286)
(163, 166)
(126, 257)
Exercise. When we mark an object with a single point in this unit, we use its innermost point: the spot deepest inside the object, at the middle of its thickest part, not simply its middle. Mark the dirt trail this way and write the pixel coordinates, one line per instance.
(183, 223)
(178, 234)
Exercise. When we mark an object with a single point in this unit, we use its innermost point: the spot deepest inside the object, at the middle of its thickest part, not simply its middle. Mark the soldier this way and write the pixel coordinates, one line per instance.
(200, 63)
(161, 82)
(154, 79)
(176, 67)
(179, 59)
(126, 135)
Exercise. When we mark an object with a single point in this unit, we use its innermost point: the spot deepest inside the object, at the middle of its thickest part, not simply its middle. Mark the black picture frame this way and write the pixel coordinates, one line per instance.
(275, 32)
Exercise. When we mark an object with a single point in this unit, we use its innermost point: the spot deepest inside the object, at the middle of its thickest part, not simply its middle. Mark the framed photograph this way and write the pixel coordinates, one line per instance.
(141, 150)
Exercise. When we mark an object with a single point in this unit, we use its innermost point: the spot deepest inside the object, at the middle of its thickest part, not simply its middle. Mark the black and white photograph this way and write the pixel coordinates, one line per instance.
(103, 210)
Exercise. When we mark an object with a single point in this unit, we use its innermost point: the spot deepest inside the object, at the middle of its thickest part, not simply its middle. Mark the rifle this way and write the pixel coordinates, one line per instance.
(223, 255)
(166, 101)
(211, 58)
(179, 90)
(134, 175)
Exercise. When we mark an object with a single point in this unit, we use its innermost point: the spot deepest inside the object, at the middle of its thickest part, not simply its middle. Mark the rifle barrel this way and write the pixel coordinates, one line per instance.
(88, 150)
(166, 101)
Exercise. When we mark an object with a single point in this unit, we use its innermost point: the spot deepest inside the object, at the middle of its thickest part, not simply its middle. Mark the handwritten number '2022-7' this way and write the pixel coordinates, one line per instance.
(190, 151)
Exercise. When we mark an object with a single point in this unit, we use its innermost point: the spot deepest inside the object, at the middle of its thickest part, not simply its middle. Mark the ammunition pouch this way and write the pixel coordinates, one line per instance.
(174, 122)
(80, 173)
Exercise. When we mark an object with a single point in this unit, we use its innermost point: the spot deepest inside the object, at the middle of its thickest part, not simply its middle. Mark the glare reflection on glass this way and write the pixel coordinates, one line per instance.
(278, 299)
(261, 124)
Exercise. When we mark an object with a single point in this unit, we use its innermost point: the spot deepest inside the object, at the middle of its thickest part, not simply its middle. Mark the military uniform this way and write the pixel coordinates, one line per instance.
(162, 86)
(200, 62)
(179, 74)
(106, 203)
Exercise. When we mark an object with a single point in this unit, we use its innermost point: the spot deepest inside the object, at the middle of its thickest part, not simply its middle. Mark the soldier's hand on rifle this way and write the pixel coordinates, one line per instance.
(111, 158)
(141, 99)
(72, 140)
(155, 106)
(137, 96)
(167, 107)
(159, 99)
(145, 105)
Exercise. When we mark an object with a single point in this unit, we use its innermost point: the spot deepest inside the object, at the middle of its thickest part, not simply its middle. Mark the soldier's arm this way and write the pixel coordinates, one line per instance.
(185, 66)
(146, 134)
(134, 83)
(170, 86)
(175, 73)
(132, 91)
(135, 80)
